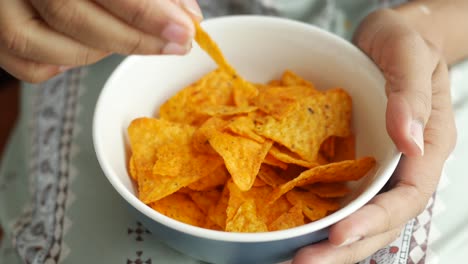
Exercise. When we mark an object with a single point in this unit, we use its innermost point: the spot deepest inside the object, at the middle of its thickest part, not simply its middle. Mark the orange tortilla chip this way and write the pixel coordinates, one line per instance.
(243, 90)
(349, 170)
(244, 126)
(132, 169)
(286, 156)
(279, 101)
(185, 107)
(312, 206)
(270, 176)
(289, 219)
(321, 115)
(246, 219)
(205, 200)
(328, 190)
(180, 207)
(217, 213)
(217, 178)
(328, 148)
(289, 78)
(270, 160)
(242, 157)
(345, 148)
(226, 110)
(201, 136)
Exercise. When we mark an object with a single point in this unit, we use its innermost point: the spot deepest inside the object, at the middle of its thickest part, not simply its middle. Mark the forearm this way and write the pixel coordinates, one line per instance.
(444, 23)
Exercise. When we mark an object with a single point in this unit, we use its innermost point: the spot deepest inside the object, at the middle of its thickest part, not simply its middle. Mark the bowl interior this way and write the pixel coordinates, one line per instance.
(260, 48)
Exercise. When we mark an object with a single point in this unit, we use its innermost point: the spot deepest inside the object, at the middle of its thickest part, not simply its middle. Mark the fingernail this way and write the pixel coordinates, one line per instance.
(176, 34)
(174, 49)
(350, 241)
(192, 7)
(417, 134)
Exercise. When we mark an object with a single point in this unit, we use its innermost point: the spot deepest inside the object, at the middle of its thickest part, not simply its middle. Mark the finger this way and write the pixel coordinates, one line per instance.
(25, 36)
(407, 64)
(28, 71)
(93, 26)
(326, 253)
(151, 16)
(415, 179)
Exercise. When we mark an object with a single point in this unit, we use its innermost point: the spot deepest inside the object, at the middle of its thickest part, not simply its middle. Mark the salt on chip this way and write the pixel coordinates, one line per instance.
(289, 219)
(321, 115)
(242, 157)
(243, 90)
(348, 170)
(180, 207)
(246, 220)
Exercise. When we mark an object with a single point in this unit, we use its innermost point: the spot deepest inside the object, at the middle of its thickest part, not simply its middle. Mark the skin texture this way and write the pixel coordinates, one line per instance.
(42, 38)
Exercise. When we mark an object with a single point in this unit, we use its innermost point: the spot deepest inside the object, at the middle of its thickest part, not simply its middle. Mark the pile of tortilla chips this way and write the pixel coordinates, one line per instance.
(226, 154)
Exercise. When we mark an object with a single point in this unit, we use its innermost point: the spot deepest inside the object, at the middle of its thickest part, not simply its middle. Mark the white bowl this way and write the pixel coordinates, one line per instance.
(260, 48)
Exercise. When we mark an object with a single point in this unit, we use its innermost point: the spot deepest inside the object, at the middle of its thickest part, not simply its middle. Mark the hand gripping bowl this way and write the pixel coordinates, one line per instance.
(260, 48)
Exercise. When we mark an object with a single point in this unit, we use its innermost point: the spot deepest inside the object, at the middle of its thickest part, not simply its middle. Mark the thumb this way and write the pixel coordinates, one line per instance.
(408, 63)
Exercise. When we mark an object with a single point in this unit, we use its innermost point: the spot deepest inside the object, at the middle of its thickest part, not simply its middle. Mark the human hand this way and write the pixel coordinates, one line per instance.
(419, 120)
(41, 38)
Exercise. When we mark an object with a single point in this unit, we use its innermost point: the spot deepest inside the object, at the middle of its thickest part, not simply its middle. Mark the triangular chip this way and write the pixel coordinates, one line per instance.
(246, 219)
(242, 157)
(348, 170)
(180, 207)
(289, 219)
(321, 115)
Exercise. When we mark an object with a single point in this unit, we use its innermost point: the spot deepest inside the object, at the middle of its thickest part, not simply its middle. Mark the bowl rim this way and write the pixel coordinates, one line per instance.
(306, 229)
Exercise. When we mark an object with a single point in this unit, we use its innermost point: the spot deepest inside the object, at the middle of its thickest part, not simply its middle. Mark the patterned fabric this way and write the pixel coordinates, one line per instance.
(57, 207)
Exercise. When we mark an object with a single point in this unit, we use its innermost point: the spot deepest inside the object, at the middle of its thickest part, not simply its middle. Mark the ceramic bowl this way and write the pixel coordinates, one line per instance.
(260, 48)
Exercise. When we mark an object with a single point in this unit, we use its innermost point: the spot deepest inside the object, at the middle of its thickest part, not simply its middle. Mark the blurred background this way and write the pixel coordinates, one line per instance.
(9, 96)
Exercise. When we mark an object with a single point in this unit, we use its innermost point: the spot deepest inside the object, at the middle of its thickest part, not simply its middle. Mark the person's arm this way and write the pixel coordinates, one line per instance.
(442, 22)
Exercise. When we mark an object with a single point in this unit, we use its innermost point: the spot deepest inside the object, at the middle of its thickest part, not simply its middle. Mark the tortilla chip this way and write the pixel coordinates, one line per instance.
(345, 148)
(349, 170)
(217, 178)
(246, 219)
(286, 156)
(180, 207)
(290, 219)
(226, 110)
(206, 199)
(217, 213)
(312, 206)
(244, 126)
(185, 107)
(328, 190)
(243, 90)
(323, 115)
(242, 157)
(270, 160)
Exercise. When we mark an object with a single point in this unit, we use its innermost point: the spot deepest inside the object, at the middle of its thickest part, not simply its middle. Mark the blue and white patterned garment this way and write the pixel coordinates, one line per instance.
(56, 206)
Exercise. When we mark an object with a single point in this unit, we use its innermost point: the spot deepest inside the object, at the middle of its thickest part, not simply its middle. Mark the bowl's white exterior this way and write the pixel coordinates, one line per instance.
(260, 48)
